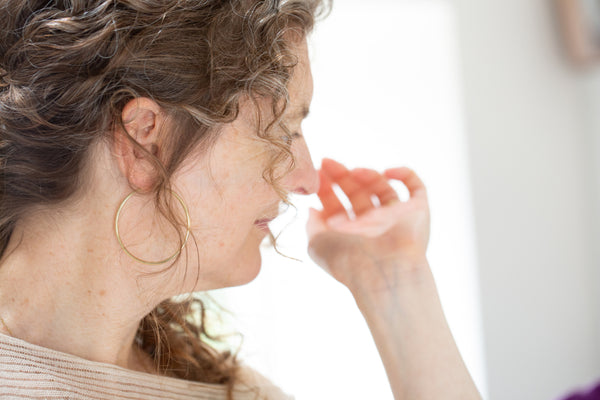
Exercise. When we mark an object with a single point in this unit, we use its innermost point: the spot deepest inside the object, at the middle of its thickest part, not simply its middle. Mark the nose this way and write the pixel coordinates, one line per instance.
(304, 178)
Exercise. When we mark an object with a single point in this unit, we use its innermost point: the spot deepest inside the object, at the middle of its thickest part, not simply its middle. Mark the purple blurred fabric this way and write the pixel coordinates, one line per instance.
(590, 394)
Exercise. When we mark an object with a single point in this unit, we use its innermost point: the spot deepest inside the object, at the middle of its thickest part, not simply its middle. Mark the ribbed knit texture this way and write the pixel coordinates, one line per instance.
(28, 371)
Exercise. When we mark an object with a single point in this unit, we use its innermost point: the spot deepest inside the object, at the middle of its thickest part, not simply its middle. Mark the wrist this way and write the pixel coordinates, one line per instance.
(385, 280)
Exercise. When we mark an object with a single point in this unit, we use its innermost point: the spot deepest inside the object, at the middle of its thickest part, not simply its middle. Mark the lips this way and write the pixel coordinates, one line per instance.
(263, 224)
(263, 221)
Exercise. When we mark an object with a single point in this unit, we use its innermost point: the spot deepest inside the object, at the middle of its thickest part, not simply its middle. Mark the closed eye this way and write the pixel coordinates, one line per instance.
(289, 138)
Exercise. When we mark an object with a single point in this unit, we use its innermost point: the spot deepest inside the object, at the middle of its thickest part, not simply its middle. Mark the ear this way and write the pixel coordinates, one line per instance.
(143, 120)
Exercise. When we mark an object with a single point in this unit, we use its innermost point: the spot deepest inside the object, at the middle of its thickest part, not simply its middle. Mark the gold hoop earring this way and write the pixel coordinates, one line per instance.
(130, 254)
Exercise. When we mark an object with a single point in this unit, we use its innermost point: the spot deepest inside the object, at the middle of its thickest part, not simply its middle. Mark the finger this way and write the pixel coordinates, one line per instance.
(377, 184)
(359, 196)
(410, 179)
(331, 204)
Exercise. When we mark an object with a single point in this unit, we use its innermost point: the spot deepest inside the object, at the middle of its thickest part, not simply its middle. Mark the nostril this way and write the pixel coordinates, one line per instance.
(304, 180)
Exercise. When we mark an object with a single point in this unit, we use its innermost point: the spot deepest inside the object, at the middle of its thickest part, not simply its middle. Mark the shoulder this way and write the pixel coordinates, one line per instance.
(28, 370)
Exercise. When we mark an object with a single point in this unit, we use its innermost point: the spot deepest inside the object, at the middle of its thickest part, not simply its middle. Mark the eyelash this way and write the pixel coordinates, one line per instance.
(290, 137)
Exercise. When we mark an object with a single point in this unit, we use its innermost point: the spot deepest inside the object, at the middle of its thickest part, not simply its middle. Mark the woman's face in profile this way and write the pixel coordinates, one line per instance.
(229, 200)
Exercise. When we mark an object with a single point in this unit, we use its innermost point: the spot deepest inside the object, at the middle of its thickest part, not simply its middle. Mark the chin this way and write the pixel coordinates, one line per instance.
(239, 270)
(248, 269)
(244, 270)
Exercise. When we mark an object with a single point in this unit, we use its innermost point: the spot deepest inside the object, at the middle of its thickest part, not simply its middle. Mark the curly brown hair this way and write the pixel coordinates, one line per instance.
(68, 67)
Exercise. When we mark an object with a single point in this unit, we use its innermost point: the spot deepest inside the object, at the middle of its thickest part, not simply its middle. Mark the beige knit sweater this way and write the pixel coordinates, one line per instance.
(28, 371)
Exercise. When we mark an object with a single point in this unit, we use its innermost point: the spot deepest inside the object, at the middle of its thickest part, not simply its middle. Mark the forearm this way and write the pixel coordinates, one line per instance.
(413, 338)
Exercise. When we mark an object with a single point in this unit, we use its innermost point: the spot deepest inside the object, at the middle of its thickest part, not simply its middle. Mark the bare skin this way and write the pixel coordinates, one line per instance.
(380, 257)
(66, 284)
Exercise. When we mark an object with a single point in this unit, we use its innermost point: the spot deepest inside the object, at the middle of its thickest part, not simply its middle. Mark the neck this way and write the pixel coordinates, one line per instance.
(63, 288)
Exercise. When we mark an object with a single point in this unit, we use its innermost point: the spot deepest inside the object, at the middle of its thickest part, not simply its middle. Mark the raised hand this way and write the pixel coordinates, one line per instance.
(379, 254)
(367, 248)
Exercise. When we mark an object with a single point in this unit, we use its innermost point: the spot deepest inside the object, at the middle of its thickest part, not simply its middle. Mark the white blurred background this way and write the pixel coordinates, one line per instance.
(478, 98)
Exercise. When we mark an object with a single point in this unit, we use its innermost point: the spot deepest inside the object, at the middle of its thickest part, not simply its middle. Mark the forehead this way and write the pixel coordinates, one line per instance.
(301, 85)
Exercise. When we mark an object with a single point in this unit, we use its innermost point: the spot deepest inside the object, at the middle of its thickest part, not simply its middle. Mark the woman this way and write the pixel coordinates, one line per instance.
(145, 147)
